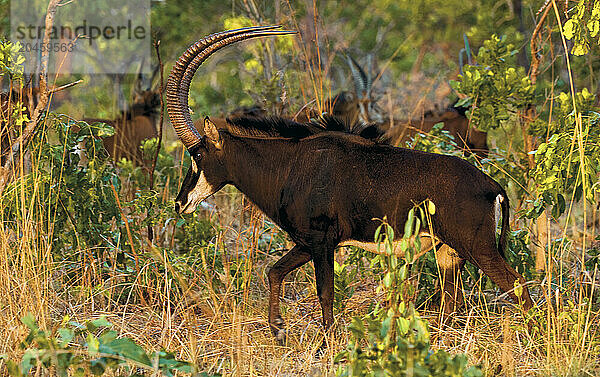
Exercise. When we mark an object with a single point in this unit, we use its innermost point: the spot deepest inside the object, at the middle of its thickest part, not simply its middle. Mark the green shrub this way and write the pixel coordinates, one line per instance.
(393, 340)
(92, 348)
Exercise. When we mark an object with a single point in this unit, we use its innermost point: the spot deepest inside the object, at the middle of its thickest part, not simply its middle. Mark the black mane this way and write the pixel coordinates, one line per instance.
(268, 127)
(287, 128)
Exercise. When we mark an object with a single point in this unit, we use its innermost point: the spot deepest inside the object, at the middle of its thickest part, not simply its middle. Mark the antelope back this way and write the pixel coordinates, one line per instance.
(129, 134)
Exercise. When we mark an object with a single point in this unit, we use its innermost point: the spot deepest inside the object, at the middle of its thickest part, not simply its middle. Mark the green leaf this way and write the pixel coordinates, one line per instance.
(108, 336)
(93, 344)
(377, 232)
(385, 326)
(29, 360)
(431, 207)
(30, 321)
(66, 336)
(128, 349)
(387, 280)
(357, 327)
(403, 325)
(404, 244)
(580, 49)
(408, 226)
(593, 26)
(101, 322)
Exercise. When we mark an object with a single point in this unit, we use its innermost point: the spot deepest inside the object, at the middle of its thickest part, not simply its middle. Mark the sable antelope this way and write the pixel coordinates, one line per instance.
(136, 123)
(28, 97)
(352, 107)
(455, 122)
(325, 190)
(362, 105)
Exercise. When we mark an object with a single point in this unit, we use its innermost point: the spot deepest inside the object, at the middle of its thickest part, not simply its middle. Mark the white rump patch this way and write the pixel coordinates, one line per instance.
(498, 209)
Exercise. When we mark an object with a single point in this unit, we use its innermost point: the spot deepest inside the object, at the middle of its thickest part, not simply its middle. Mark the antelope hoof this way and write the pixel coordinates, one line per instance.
(278, 329)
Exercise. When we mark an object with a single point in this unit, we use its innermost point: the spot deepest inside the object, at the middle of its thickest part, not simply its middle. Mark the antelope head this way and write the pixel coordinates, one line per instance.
(145, 96)
(363, 89)
(207, 173)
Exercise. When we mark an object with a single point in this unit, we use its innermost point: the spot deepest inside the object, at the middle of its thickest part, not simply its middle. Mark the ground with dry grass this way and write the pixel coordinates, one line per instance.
(216, 317)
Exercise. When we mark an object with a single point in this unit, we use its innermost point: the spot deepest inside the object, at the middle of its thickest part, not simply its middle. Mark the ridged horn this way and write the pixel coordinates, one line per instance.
(361, 81)
(178, 84)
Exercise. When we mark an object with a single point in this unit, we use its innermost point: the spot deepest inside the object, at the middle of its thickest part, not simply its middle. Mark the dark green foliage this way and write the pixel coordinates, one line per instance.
(593, 260)
(194, 232)
(92, 348)
(393, 340)
(345, 275)
(519, 255)
(88, 201)
(78, 197)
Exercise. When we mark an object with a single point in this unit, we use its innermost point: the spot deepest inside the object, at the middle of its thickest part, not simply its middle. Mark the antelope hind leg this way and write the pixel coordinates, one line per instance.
(450, 265)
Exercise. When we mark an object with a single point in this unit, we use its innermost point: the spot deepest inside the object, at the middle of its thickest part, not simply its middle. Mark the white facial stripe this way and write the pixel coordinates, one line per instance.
(194, 166)
(201, 191)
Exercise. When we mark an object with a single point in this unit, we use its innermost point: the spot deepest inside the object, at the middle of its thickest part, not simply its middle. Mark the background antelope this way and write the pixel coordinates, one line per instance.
(325, 190)
(137, 122)
(361, 104)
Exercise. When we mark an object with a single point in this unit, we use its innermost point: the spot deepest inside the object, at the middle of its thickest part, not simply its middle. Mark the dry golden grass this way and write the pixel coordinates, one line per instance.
(224, 329)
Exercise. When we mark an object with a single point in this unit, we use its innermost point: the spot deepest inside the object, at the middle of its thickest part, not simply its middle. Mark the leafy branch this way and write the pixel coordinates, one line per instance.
(87, 348)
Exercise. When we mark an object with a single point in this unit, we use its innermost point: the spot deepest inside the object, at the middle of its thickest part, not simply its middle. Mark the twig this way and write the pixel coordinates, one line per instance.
(535, 61)
(63, 87)
(160, 126)
(25, 137)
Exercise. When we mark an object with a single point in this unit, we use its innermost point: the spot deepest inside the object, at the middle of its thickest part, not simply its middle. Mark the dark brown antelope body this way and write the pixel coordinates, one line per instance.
(132, 127)
(325, 189)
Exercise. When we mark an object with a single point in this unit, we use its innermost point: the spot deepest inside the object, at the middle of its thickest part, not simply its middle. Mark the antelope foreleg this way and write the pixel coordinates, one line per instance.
(293, 259)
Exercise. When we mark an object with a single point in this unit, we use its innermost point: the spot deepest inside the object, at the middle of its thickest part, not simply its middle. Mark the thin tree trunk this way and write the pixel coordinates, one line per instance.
(20, 145)
(530, 144)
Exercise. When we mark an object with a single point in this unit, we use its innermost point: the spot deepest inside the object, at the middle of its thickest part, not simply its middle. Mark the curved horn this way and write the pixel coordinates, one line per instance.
(361, 82)
(369, 74)
(183, 71)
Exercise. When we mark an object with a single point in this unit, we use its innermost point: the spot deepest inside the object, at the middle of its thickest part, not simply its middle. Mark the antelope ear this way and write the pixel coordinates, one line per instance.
(212, 133)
